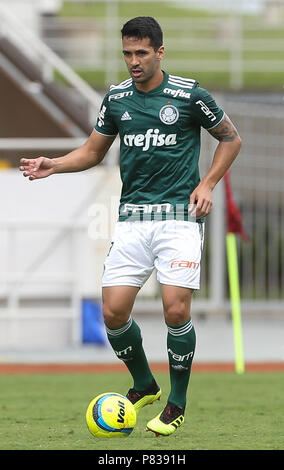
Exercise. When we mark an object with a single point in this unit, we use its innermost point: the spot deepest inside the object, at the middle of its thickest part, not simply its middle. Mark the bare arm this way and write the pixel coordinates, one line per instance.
(88, 155)
(226, 152)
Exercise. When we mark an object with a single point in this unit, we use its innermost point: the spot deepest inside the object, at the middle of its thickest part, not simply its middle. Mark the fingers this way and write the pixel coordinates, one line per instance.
(192, 203)
(199, 206)
(29, 166)
(28, 161)
(201, 209)
(28, 171)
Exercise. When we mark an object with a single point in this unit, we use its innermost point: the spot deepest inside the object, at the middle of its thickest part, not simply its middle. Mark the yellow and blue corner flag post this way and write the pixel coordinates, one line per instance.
(234, 227)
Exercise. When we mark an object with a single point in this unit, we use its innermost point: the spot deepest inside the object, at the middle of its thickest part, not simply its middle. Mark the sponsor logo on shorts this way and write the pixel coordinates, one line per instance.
(184, 264)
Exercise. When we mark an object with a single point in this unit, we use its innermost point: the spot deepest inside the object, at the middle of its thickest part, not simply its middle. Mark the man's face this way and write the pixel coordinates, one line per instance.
(141, 58)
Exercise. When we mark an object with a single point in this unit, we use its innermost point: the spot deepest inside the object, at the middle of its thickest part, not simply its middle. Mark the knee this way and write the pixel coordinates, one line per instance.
(108, 315)
(113, 318)
(176, 314)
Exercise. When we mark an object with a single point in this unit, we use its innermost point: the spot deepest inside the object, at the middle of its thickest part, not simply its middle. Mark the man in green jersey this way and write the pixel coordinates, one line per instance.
(158, 117)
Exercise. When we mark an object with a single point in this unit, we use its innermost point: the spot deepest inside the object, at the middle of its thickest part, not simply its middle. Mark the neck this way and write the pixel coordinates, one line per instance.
(152, 83)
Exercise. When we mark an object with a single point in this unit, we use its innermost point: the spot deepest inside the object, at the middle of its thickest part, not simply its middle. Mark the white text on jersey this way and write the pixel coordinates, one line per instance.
(117, 96)
(206, 110)
(152, 137)
(176, 93)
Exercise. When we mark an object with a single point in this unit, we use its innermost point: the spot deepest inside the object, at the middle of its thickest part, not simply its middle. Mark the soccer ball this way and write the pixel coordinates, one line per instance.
(111, 415)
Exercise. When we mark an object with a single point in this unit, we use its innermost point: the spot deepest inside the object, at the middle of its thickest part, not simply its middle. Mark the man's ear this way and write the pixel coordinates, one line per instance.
(161, 52)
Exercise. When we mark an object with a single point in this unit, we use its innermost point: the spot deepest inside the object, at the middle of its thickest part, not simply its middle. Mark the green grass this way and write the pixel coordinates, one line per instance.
(218, 81)
(130, 10)
(254, 27)
(225, 411)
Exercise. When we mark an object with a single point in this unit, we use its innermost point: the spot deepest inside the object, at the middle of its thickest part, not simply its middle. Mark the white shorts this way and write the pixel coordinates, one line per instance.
(173, 247)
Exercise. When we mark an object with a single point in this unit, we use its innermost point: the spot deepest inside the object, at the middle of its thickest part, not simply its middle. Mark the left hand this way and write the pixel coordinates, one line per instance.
(200, 201)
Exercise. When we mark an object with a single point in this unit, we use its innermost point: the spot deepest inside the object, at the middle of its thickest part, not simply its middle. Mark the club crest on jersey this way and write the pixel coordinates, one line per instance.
(169, 114)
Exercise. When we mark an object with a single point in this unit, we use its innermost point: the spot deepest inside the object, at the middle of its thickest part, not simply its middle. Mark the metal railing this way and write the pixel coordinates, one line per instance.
(13, 284)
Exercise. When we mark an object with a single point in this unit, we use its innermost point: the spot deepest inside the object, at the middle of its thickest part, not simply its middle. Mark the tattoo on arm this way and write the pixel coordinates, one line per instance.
(225, 131)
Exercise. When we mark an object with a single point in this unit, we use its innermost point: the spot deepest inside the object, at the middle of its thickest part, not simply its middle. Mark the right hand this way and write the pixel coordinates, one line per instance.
(36, 168)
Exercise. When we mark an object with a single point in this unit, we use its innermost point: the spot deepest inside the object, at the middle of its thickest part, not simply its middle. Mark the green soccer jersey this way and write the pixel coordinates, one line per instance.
(159, 142)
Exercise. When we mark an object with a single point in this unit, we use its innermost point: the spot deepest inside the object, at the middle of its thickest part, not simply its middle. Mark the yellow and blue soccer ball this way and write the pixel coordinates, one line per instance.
(111, 415)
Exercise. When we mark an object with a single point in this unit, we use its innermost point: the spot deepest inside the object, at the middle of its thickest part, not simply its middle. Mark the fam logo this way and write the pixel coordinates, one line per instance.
(169, 114)
(206, 111)
(184, 264)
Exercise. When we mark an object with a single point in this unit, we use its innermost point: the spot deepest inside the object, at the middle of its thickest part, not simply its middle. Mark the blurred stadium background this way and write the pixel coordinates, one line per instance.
(57, 59)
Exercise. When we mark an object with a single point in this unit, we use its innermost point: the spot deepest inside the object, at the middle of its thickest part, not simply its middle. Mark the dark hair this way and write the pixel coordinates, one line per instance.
(144, 27)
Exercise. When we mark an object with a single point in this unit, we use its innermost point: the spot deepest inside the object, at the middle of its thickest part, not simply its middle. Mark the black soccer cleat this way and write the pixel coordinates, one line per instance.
(167, 421)
(140, 398)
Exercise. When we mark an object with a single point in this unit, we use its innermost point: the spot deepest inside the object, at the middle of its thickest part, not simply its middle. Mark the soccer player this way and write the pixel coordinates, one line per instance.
(163, 204)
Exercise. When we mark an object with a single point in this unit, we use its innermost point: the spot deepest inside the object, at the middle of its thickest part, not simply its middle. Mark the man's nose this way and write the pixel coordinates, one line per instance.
(134, 61)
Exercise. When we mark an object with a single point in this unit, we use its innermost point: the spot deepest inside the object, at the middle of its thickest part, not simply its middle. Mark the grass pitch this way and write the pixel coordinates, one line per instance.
(225, 411)
(254, 28)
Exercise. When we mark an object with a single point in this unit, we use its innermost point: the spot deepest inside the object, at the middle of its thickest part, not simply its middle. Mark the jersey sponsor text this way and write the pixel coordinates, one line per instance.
(206, 110)
(176, 93)
(151, 138)
(118, 96)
